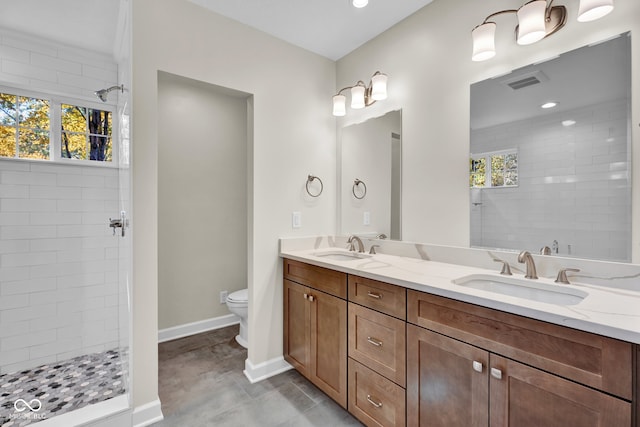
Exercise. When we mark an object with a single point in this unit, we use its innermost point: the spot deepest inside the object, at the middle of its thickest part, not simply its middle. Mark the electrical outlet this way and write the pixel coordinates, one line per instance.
(366, 220)
(223, 297)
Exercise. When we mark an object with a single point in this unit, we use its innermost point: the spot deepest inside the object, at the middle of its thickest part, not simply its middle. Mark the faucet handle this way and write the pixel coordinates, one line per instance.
(562, 275)
(506, 269)
(372, 250)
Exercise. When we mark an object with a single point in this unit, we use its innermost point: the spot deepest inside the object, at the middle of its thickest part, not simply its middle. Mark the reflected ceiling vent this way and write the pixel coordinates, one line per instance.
(524, 80)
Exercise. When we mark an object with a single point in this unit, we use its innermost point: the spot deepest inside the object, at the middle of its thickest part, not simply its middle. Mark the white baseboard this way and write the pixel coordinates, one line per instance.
(264, 370)
(147, 414)
(188, 329)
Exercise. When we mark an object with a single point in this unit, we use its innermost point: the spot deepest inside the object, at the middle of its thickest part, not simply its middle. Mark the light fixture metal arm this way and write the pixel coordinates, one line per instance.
(501, 12)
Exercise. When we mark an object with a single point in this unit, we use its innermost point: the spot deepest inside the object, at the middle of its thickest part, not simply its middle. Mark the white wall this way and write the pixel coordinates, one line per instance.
(292, 136)
(202, 199)
(573, 185)
(59, 294)
(428, 60)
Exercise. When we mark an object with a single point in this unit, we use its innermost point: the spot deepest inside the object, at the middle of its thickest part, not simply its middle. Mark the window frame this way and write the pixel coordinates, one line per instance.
(55, 125)
(487, 156)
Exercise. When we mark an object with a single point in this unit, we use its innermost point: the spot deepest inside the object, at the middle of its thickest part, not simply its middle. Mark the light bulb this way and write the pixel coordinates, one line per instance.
(339, 105)
(360, 3)
(484, 42)
(379, 87)
(590, 10)
(357, 97)
(531, 22)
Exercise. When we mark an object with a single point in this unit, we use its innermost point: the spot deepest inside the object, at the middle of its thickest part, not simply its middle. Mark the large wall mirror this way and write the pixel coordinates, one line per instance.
(370, 177)
(550, 163)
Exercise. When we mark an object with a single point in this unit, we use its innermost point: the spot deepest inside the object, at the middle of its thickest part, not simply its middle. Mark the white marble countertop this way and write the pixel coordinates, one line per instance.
(606, 311)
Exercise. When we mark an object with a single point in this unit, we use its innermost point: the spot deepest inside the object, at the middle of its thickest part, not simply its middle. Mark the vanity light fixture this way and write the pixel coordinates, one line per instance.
(361, 94)
(360, 3)
(549, 104)
(567, 123)
(537, 19)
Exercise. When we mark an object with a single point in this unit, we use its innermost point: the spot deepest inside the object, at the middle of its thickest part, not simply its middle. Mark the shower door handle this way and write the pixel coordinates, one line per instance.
(120, 223)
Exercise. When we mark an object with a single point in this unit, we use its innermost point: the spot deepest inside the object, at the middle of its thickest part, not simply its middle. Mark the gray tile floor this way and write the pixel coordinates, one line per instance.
(201, 384)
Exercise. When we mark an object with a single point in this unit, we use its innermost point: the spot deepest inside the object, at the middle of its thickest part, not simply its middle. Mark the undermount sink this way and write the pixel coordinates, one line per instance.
(523, 288)
(342, 255)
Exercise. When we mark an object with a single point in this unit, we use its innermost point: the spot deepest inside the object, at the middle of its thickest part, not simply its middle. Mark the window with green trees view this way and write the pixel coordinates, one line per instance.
(498, 169)
(25, 129)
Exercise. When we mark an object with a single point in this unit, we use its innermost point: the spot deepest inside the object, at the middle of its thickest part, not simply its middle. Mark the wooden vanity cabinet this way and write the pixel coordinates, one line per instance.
(377, 352)
(315, 326)
(458, 375)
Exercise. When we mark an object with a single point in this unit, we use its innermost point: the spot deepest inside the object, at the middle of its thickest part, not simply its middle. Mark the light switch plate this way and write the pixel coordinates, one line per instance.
(296, 220)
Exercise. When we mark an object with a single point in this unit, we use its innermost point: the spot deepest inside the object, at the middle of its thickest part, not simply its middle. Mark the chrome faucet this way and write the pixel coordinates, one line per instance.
(355, 239)
(527, 259)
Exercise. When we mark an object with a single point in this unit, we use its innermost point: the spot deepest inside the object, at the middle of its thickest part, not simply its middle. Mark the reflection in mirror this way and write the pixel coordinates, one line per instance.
(371, 171)
(555, 176)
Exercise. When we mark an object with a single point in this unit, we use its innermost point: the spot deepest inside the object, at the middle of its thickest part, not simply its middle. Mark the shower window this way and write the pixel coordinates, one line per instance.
(37, 126)
(86, 133)
(497, 169)
(24, 127)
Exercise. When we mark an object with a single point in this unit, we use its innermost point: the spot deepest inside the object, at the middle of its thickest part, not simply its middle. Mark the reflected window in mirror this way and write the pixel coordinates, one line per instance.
(493, 170)
(573, 166)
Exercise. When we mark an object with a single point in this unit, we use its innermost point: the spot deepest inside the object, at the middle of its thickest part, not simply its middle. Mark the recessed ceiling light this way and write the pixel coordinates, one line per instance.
(549, 104)
(360, 3)
(567, 123)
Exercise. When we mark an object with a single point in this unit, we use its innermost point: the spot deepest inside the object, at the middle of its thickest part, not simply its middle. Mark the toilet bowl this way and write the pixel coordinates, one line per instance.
(238, 304)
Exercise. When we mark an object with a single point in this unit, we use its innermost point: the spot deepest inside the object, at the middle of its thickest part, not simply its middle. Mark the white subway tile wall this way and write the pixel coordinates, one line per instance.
(574, 185)
(40, 65)
(58, 264)
(59, 292)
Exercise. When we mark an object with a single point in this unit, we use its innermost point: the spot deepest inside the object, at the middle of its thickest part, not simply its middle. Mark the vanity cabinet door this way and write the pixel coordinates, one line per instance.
(297, 334)
(315, 338)
(447, 381)
(522, 396)
(328, 329)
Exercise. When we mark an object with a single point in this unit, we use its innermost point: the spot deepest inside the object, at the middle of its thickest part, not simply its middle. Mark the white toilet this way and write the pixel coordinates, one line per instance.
(238, 304)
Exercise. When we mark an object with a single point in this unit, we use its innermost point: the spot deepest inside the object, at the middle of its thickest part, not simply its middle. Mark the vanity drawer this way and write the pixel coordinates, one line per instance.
(599, 362)
(389, 299)
(378, 341)
(329, 281)
(373, 399)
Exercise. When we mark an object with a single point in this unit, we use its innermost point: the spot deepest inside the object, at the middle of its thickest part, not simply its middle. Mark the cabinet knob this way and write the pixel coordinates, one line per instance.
(477, 366)
(305, 296)
(373, 402)
(496, 373)
(374, 295)
(311, 298)
(374, 341)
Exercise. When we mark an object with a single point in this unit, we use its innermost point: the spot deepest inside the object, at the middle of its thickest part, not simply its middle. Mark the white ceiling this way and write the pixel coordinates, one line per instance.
(331, 28)
(585, 76)
(88, 24)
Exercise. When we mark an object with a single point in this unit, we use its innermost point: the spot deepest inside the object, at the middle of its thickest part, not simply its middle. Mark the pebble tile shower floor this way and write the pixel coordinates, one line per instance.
(61, 387)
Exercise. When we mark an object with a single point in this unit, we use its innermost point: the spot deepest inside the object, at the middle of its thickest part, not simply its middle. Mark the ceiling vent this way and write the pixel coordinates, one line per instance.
(525, 79)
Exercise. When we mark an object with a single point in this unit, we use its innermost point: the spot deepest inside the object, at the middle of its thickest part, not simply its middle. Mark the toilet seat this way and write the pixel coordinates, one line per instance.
(241, 296)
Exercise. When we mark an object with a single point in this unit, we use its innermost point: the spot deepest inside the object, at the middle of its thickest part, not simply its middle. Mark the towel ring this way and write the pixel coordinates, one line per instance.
(310, 179)
(356, 183)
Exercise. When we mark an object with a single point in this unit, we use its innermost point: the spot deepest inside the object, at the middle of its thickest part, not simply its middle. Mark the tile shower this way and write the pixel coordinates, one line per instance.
(574, 184)
(64, 314)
